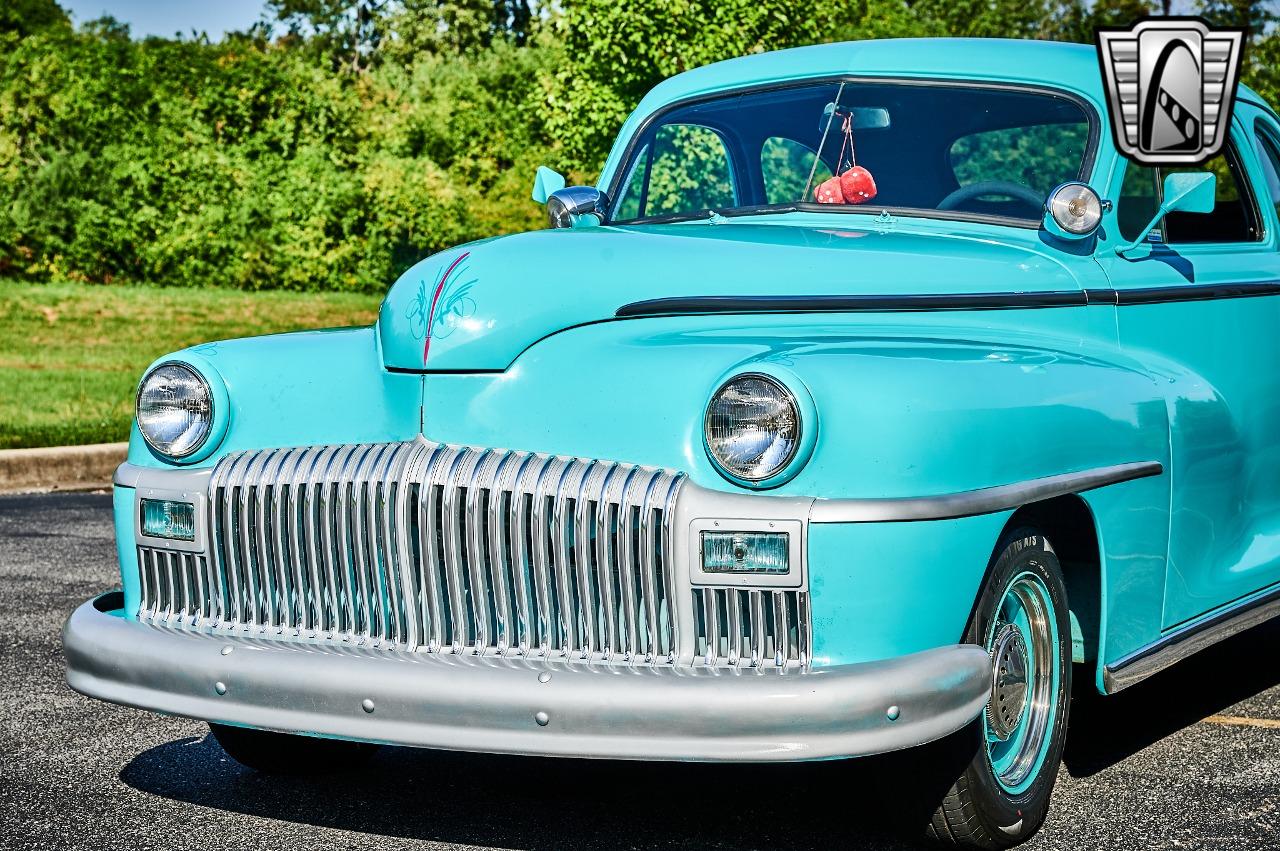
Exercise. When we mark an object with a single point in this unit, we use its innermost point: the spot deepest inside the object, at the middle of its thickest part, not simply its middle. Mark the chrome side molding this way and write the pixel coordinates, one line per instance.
(1187, 641)
(975, 502)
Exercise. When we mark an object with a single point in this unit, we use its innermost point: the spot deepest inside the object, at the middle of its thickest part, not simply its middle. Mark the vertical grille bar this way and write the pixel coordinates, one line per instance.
(545, 584)
(503, 578)
(454, 545)
(606, 568)
(637, 483)
(478, 584)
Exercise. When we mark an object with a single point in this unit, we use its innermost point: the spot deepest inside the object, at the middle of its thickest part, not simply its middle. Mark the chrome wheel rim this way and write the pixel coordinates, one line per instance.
(1025, 669)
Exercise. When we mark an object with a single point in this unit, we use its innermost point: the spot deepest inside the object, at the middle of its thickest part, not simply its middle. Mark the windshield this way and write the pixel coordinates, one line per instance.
(931, 149)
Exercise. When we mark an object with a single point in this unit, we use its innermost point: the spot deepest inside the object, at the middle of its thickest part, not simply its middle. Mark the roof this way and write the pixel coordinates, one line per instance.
(1069, 66)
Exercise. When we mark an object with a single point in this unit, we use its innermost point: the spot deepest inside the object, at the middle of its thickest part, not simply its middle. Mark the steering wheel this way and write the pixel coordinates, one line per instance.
(1006, 188)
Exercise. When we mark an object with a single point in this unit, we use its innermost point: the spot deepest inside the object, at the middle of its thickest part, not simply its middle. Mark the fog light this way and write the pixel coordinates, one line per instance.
(164, 519)
(746, 552)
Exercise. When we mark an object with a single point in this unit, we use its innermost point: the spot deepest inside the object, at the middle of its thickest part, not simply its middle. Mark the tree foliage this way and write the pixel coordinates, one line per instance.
(340, 140)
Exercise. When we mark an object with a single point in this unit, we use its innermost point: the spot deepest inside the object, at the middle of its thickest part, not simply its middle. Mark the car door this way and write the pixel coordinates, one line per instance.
(1199, 305)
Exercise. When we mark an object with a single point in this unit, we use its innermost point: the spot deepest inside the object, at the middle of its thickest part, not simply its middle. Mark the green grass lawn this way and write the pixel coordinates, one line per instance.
(71, 354)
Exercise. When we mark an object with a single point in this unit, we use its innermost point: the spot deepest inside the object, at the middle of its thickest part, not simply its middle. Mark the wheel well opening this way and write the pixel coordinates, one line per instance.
(1068, 524)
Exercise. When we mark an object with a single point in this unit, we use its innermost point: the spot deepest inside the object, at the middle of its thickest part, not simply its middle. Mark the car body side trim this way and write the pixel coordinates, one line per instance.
(851, 303)
(1188, 640)
(871, 303)
(975, 502)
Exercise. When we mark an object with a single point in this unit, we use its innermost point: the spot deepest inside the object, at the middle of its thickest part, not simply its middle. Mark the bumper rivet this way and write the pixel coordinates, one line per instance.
(542, 718)
(366, 705)
(226, 651)
(220, 687)
(544, 677)
(893, 713)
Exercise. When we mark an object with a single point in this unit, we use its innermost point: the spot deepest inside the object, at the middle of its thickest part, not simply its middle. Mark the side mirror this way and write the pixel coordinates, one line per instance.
(1184, 192)
(545, 182)
(1190, 192)
(577, 207)
(569, 206)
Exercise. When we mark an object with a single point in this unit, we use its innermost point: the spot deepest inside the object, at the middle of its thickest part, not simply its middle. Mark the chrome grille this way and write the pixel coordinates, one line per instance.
(173, 585)
(751, 628)
(447, 549)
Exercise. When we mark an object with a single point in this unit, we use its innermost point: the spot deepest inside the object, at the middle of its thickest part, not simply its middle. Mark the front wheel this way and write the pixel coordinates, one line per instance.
(1002, 796)
(284, 753)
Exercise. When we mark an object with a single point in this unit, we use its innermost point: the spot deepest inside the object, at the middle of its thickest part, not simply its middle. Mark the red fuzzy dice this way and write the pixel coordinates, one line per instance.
(857, 185)
(853, 187)
(829, 192)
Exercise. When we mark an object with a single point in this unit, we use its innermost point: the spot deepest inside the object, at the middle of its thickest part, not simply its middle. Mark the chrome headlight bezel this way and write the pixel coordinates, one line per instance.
(796, 396)
(214, 424)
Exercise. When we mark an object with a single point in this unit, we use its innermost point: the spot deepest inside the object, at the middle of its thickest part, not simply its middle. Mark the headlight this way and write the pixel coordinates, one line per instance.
(752, 427)
(175, 410)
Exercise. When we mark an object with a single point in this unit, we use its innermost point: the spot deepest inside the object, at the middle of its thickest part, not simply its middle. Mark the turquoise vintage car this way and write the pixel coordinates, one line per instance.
(868, 392)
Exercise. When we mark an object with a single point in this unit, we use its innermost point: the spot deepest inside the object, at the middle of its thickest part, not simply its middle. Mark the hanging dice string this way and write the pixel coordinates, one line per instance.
(851, 183)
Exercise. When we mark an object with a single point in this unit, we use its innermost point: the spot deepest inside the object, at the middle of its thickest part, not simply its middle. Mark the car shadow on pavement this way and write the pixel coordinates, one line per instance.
(530, 802)
(1107, 730)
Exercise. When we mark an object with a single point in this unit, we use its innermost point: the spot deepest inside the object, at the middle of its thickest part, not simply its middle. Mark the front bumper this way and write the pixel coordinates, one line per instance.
(496, 705)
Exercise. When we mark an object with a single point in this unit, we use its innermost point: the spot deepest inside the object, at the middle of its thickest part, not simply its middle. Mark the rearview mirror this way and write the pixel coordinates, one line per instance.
(864, 117)
(1184, 192)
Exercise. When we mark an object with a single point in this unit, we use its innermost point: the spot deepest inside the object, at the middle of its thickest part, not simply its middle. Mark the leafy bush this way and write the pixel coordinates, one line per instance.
(253, 165)
(373, 132)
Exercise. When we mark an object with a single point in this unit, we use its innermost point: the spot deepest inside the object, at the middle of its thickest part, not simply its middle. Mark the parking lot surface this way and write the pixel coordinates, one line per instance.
(1187, 760)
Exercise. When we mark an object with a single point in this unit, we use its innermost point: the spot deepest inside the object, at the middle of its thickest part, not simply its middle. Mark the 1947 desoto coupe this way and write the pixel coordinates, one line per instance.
(869, 391)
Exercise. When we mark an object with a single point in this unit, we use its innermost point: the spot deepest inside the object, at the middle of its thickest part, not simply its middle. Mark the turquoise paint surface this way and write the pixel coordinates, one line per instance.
(122, 502)
(886, 589)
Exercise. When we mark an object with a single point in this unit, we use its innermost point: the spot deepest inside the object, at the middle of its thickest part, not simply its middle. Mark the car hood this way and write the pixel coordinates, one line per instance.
(479, 306)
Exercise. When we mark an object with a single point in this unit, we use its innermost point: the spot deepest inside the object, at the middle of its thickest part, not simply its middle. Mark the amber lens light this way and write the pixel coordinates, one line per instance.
(164, 519)
(752, 427)
(746, 552)
(175, 410)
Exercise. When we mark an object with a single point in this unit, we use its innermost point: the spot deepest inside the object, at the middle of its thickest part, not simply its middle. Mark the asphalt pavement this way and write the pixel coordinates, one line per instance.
(1187, 760)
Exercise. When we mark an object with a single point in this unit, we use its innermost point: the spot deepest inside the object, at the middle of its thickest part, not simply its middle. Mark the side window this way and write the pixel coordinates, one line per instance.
(1233, 218)
(1269, 154)
(690, 171)
(784, 167)
(1138, 202)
